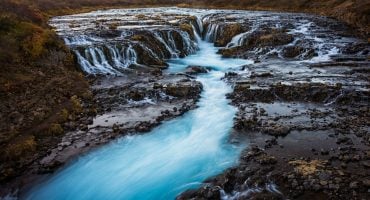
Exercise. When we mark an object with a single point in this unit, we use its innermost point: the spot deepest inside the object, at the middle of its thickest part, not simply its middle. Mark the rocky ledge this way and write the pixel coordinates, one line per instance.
(305, 120)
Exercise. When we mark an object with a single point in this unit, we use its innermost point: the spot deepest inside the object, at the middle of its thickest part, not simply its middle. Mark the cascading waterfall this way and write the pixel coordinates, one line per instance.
(123, 58)
(172, 43)
(81, 40)
(212, 32)
(96, 60)
(85, 64)
(160, 38)
(190, 46)
(237, 40)
(112, 57)
(196, 34)
(200, 24)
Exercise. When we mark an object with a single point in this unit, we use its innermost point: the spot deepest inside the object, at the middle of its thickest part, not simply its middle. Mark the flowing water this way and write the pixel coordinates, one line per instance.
(179, 154)
(176, 156)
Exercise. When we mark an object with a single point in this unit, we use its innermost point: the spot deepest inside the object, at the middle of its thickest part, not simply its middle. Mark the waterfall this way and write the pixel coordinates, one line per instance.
(170, 49)
(111, 51)
(197, 26)
(172, 42)
(212, 32)
(131, 56)
(81, 40)
(239, 39)
(96, 60)
(123, 58)
(189, 45)
(116, 56)
(196, 34)
(85, 64)
(200, 25)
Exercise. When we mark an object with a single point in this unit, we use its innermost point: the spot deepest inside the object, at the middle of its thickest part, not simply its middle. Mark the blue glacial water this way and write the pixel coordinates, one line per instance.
(176, 156)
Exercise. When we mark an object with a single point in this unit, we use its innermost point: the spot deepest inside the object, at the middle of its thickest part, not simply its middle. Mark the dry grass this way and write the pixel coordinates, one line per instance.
(307, 168)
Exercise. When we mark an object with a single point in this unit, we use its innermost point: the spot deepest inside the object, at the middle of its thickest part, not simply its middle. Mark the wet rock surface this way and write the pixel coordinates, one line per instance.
(130, 105)
(303, 111)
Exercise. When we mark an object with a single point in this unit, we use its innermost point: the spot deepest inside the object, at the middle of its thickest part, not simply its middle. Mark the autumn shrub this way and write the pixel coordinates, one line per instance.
(20, 147)
(55, 129)
(76, 104)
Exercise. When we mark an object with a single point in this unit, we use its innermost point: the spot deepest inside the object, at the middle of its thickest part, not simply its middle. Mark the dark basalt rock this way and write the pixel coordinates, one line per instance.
(261, 75)
(146, 58)
(193, 70)
(295, 51)
(361, 48)
(263, 39)
(299, 92)
(185, 90)
(260, 39)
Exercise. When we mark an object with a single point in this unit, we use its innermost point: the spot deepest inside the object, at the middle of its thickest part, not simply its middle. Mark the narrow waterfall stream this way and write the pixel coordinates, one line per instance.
(176, 156)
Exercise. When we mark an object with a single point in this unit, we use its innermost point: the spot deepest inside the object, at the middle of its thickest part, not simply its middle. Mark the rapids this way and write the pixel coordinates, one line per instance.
(176, 156)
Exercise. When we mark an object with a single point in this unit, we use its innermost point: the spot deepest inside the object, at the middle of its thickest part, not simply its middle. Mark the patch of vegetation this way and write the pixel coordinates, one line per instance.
(20, 147)
(55, 130)
(76, 104)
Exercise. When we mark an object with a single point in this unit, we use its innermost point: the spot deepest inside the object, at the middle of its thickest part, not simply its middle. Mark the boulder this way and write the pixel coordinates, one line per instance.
(295, 51)
(268, 39)
(184, 90)
(192, 70)
(228, 31)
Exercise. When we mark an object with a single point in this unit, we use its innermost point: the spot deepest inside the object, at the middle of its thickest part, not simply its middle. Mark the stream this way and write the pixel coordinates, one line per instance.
(181, 153)
(176, 156)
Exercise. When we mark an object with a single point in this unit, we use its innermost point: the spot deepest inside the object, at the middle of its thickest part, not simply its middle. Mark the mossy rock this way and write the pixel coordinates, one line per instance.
(268, 39)
(138, 38)
(228, 31)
